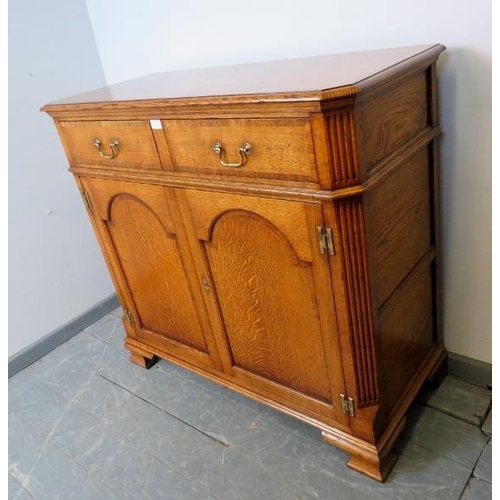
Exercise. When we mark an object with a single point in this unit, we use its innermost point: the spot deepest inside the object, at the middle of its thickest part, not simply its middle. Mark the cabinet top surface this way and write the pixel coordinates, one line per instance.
(289, 77)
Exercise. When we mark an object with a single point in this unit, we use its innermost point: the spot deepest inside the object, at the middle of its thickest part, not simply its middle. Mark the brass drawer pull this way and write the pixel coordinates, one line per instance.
(113, 145)
(244, 151)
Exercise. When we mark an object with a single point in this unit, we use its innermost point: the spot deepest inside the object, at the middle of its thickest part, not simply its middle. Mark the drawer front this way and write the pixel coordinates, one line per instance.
(136, 145)
(280, 148)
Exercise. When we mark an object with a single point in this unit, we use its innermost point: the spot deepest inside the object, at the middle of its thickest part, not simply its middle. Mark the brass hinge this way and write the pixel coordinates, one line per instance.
(86, 199)
(129, 316)
(325, 240)
(347, 404)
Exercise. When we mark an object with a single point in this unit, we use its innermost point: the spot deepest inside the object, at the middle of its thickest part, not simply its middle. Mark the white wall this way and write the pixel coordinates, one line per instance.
(165, 35)
(56, 271)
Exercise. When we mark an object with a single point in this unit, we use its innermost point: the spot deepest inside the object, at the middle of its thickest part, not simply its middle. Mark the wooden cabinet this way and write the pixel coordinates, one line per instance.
(274, 227)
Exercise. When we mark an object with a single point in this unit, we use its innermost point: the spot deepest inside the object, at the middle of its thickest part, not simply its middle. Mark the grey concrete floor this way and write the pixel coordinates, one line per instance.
(86, 424)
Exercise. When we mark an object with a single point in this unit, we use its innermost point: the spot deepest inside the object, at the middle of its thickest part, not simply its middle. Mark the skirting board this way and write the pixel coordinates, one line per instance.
(469, 369)
(49, 342)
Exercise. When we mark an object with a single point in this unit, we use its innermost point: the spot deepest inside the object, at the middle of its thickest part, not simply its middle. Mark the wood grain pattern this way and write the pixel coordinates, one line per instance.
(269, 334)
(157, 278)
(406, 333)
(350, 219)
(282, 149)
(255, 270)
(137, 147)
(391, 116)
(321, 150)
(328, 314)
(190, 204)
(289, 217)
(400, 224)
(271, 188)
(262, 80)
(192, 109)
(140, 234)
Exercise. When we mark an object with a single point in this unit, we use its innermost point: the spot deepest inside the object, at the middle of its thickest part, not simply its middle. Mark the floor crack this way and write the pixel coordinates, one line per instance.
(221, 441)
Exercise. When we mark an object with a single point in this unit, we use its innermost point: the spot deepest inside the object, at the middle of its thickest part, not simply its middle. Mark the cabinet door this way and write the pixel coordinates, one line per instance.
(153, 276)
(272, 287)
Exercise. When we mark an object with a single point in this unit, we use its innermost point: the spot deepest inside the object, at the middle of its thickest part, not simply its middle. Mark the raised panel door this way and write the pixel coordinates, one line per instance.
(154, 277)
(273, 294)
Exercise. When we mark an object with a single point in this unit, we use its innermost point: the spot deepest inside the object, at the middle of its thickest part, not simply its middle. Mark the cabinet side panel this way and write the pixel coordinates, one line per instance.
(406, 332)
(389, 116)
(400, 223)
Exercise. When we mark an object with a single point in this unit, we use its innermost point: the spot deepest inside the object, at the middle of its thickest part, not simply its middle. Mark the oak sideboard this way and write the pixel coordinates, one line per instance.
(275, 227)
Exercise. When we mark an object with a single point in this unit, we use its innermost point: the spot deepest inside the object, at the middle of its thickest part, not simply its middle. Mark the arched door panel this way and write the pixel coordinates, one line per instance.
(155, 277)
(270, 295)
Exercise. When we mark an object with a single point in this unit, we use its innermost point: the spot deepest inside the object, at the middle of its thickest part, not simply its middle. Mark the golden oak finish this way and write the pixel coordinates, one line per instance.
(136, 146)
(350, 220)
(136, 223)
(264, 270)
(406, 331)
(303, 274)
(339, 125)
(306, 77)
(400, 241)
(281, 149)
(389, 119)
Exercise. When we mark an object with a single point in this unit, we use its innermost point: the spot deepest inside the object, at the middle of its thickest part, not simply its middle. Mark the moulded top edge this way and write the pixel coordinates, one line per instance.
(303, 79)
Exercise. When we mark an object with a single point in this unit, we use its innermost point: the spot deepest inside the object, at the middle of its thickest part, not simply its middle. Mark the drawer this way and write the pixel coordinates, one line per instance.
(136, 145)
(280, 148)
